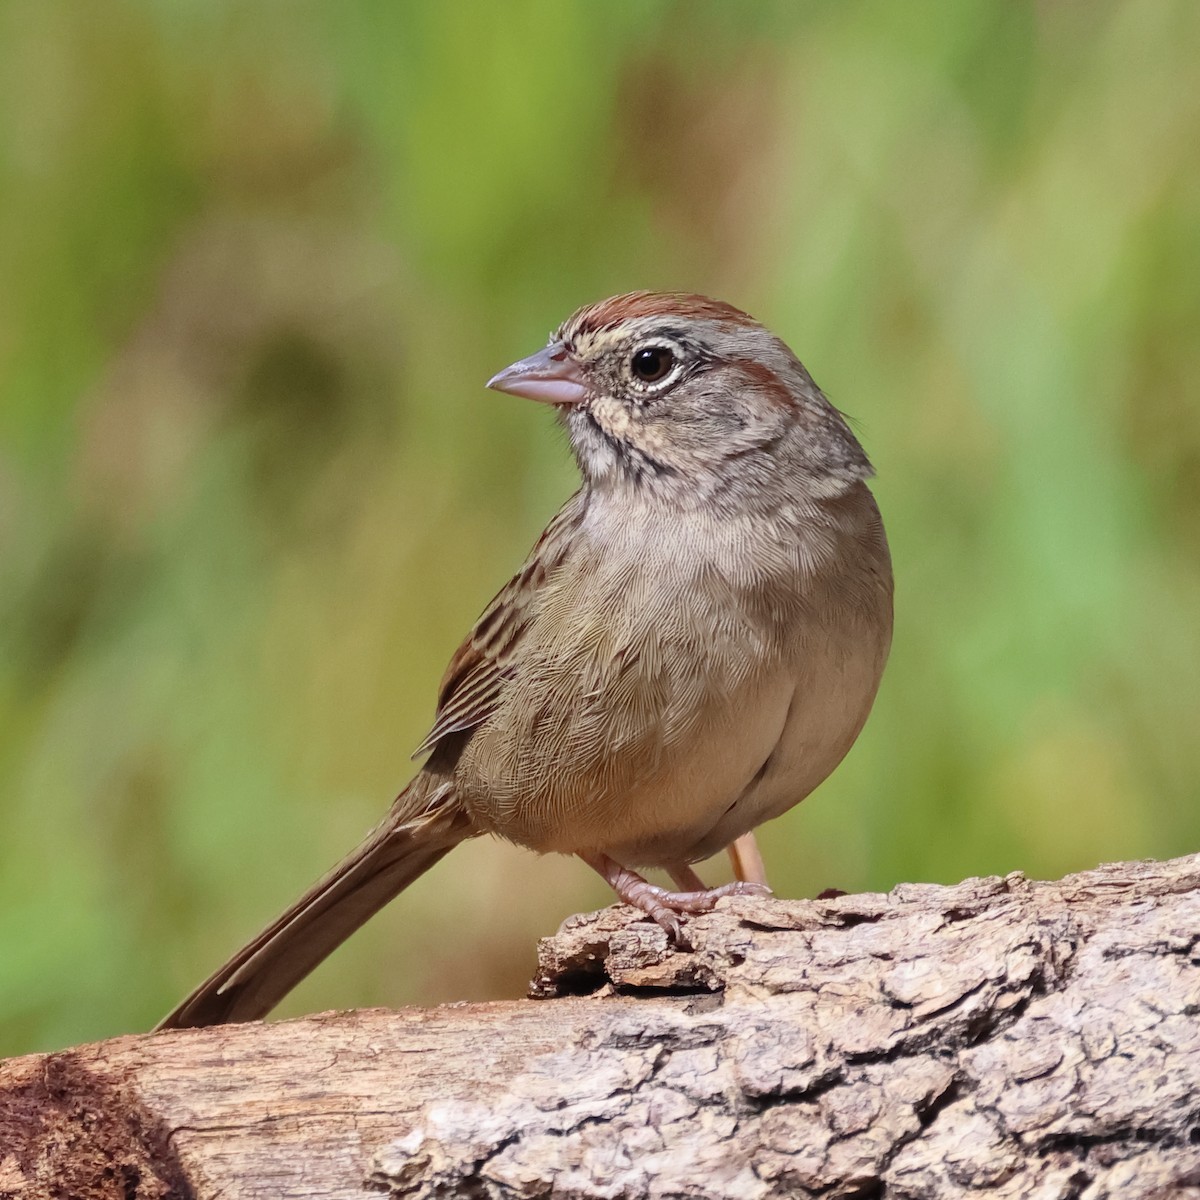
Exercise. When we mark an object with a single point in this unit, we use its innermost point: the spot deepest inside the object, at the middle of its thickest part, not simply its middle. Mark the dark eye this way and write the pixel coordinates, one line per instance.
(652, 363)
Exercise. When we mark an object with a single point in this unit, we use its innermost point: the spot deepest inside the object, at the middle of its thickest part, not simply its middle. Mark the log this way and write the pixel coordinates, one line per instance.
(999, 1038)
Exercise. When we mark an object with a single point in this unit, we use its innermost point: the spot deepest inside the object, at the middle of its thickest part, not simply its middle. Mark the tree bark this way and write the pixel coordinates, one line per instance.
(996, 1039)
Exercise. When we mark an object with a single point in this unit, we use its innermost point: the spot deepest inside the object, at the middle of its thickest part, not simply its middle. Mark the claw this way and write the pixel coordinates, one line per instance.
(660, 905)
(705, 899)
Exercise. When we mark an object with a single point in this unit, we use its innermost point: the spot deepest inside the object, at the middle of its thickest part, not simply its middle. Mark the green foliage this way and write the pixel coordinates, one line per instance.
(257, 262)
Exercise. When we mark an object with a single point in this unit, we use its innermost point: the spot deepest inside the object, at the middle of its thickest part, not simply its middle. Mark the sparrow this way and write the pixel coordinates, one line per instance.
(691, 647)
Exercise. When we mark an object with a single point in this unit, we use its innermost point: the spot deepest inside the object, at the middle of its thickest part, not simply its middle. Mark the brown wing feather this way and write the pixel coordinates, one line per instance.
(471, 686)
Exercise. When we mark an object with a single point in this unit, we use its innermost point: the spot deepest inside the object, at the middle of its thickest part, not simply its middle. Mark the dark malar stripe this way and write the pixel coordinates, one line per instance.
(634, 459)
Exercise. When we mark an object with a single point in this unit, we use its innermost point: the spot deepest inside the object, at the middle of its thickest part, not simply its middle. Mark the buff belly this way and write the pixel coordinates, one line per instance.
(561, 779)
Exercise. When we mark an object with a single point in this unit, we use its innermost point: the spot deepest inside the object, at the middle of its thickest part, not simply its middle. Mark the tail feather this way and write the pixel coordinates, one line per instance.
(423, 825)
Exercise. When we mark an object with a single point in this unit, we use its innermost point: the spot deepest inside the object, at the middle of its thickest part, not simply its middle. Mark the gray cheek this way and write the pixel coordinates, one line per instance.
(714, 418)
(713, 413)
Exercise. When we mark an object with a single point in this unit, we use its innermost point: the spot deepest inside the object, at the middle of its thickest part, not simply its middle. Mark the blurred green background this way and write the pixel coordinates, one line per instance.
(256, 262)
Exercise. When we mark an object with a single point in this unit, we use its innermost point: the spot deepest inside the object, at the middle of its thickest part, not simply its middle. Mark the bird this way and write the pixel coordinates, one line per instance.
(692, 645)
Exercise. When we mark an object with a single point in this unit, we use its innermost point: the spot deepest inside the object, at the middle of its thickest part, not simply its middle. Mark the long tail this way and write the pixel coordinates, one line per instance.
(424, 824)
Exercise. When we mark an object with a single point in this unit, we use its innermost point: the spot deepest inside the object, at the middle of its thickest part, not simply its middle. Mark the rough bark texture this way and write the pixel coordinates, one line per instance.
(996, 1039)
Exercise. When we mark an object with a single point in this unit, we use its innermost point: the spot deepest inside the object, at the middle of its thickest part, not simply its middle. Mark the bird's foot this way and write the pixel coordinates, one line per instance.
(664, 907)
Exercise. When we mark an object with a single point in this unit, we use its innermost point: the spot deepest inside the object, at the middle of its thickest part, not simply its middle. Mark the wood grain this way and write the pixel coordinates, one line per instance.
(996, 1039)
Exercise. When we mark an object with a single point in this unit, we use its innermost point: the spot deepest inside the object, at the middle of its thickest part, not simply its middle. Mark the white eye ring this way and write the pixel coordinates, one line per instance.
(653, 364)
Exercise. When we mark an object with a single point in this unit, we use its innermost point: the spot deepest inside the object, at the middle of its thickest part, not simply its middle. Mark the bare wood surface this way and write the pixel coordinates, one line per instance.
(996, 1039)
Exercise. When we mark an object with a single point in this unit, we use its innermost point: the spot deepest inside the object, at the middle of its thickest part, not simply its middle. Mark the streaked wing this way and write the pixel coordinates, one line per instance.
(471, 687)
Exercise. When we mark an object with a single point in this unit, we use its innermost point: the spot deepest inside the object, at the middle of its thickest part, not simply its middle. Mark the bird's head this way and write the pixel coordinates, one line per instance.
(674, 394)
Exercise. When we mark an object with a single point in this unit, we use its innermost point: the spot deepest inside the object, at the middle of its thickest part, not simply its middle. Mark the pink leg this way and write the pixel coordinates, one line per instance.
(659, 904)
(686, 880)
(747, 860)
